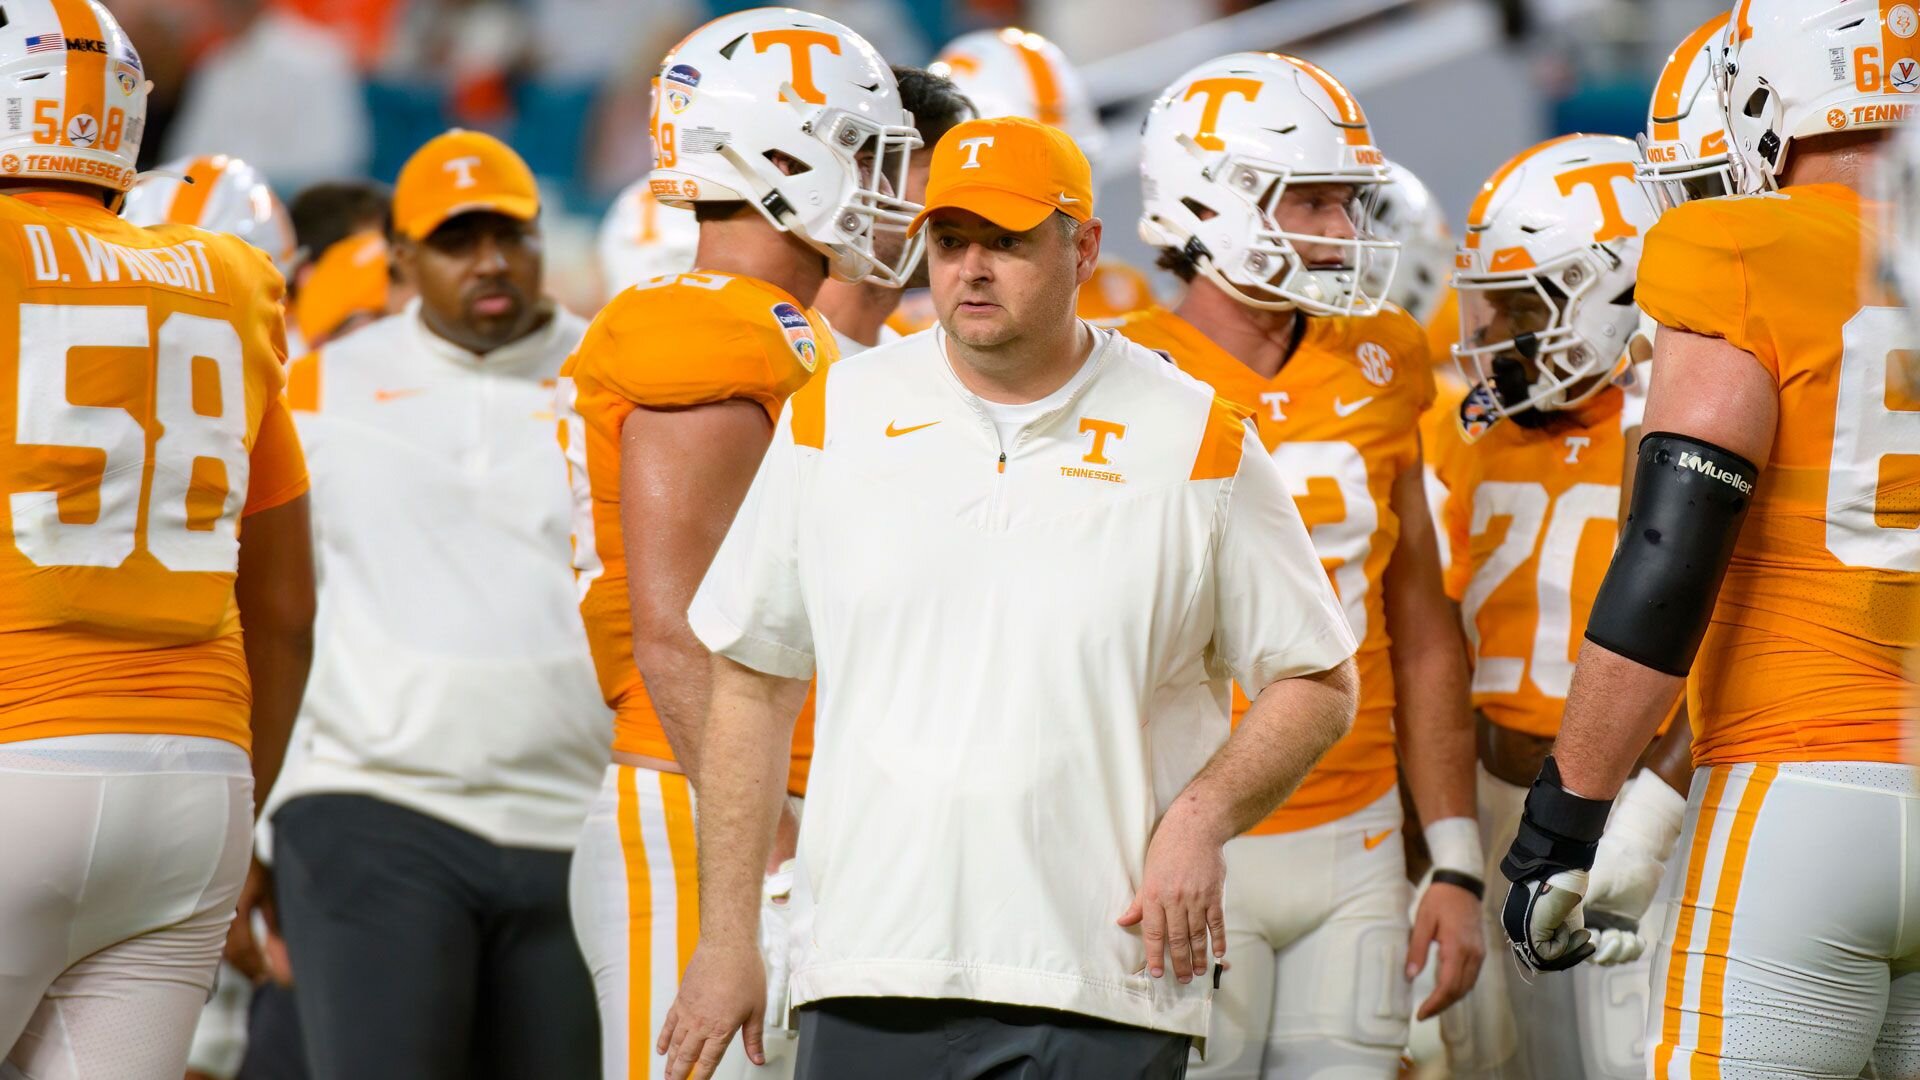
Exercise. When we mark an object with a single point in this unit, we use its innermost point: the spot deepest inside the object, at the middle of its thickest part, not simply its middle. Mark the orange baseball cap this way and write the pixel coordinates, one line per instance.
(457, 173)
(348, 279)
(1010, 170)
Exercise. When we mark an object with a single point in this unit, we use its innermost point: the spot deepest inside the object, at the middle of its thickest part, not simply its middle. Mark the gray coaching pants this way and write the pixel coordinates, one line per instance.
(950, 1039)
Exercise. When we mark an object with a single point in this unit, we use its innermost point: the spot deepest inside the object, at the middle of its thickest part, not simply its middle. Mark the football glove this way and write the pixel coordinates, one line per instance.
(1548, 864)
(1627, 868)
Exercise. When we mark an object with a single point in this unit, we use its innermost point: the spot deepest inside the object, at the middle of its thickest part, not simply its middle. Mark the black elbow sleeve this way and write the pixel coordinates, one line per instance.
(1689, 498)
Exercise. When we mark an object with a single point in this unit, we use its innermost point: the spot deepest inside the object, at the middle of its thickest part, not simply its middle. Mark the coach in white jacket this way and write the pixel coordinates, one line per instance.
(1024, 556)
(453, 734)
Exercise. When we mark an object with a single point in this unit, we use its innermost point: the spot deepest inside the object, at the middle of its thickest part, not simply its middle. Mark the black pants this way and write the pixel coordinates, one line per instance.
(421, 951)
(275, 1048)
(948, 1039)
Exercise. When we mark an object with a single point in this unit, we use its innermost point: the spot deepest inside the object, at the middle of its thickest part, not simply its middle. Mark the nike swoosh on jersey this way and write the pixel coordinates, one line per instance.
(896, 432)
(1374, 841)
(1341, 408)
(396, 395)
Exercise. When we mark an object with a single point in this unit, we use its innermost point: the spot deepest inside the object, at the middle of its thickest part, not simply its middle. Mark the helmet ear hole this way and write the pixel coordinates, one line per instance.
(1624, 299)
(787, 163)
(1756, 103)
(3, 18)
(1199, 209)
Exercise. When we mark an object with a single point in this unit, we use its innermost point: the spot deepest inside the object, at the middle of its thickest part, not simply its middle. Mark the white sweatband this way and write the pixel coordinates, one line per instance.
(1454, 844)
(1649, 812)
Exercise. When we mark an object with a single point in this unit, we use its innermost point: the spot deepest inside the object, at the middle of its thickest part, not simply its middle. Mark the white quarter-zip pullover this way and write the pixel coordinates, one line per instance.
(1023, 652)
(451, 673)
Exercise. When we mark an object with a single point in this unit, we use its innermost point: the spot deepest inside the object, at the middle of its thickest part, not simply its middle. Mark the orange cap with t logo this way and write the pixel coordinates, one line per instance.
(1010, 170)
(461, 172)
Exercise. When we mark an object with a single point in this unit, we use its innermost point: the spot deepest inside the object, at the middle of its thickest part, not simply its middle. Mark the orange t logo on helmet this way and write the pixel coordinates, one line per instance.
(800, 44)
(1217, 92)
(1613, 223)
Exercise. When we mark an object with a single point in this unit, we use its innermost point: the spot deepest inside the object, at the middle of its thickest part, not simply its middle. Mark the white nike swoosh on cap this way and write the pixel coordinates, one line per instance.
(1066, 198)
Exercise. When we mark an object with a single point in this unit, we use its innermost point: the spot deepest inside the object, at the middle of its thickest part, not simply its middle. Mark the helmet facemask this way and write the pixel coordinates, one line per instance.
(861, 225)
(1527, 335)
(1269, 270)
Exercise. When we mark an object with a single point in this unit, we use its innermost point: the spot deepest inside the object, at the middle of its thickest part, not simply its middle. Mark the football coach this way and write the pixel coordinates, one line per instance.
(1024, 556)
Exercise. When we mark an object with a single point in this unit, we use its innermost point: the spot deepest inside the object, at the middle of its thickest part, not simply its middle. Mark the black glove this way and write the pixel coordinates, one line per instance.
(1548, 864)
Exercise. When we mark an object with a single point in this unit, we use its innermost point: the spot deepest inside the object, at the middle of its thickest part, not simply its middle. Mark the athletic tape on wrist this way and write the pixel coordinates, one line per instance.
(1558, 830)
(1454, 844)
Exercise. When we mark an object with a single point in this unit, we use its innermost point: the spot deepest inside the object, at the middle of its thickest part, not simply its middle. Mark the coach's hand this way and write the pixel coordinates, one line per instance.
(724, 991)
(1178, 905)
(259, 960)
(1448, 916)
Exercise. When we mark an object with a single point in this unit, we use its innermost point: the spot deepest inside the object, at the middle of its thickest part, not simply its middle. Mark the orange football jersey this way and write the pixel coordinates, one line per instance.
(140, 419)
(673, 342)
(1821, 604)
(1340, 418)
(1531, 517)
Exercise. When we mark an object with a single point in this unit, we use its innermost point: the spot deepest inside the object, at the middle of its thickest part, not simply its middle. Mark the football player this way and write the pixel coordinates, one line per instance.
(1014, 72)
(1545, 276)
(1771, 564)
(1258, 177)
(860, 311)
(142, 381)
(666, 410)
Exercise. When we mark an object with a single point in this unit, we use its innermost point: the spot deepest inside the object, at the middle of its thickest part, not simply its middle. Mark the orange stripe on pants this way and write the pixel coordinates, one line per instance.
(643, 867)
(678, 796)
(1677, 959)
(1713, 976)
(639, 928)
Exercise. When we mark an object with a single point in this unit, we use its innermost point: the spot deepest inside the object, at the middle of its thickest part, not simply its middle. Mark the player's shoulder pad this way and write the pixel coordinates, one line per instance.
(1715, 232)
(1694, 264)
(1146, 327)
(246, 269)
(694, 339)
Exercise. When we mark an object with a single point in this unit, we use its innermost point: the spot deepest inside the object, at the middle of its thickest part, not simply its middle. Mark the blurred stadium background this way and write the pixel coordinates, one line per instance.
(310, 90)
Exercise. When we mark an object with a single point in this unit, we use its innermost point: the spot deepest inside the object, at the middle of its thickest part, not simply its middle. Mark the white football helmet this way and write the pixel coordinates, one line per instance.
(1011, 72)
(1685, 144)
(1799, 68)
(219, 193)
(1545, 272)
(1219, 149)
(774, 81)
(642, 238)
(1407, 213)
(76, 94)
